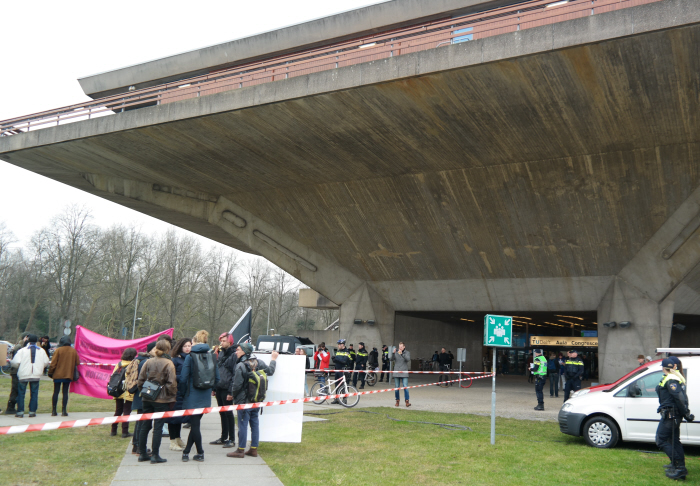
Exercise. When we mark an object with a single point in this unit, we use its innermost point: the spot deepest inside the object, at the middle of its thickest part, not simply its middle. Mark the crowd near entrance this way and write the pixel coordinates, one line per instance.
(554, 332)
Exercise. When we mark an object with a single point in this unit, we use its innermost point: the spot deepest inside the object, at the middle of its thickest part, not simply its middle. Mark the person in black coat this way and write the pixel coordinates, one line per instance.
(226, 363)
(178, 354)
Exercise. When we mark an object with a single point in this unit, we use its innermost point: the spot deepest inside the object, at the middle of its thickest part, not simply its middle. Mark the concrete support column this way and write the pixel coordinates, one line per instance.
(366, 304)
(651, 328)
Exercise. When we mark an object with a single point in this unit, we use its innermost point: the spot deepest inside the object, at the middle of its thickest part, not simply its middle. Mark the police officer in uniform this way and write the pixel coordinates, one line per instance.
(385, 363)
(353, 357)
(673, 407)
(539, 372)
(360, 364)
(573, 369)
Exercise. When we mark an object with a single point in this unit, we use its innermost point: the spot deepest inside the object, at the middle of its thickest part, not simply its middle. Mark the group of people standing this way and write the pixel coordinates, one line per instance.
(353, 364)
(185, 375)
(571, 370)
(30, 358)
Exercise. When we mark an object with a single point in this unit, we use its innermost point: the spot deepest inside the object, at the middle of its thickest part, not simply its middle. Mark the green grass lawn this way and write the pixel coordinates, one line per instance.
(360, 448)
(62, 457)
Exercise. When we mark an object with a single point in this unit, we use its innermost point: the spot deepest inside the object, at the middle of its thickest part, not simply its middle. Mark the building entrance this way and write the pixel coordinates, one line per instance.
(554, 332)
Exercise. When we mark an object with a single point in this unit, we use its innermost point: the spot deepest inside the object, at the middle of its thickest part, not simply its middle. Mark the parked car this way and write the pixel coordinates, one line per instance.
(282, 344)
(626, 409)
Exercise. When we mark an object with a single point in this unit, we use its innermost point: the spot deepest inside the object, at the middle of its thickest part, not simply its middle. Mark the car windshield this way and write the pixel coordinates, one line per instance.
(627, 378)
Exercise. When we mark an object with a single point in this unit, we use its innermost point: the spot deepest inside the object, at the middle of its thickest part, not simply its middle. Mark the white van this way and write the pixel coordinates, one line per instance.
(626, 409)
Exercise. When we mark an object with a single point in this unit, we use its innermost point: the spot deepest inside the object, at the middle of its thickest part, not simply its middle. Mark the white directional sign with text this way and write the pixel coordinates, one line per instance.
(498, 331)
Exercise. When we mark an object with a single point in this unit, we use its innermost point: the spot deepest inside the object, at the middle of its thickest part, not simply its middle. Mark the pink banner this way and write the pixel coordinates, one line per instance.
(96, 348)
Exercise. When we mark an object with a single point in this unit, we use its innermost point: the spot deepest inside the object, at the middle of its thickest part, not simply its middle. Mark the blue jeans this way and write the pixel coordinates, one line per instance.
(245, 416)
(398, 383)
(34, 396)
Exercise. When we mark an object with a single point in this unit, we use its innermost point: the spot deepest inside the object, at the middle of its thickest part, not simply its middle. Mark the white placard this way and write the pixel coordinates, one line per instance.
(282, 423)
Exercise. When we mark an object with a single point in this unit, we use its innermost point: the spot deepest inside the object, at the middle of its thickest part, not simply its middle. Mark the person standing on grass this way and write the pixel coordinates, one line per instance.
(123, 402)
(197, 397)
(402, 362)
(245, 365)
(30, 361)
(158, 370)
(12, 400)
(62, 370)
(226, 364)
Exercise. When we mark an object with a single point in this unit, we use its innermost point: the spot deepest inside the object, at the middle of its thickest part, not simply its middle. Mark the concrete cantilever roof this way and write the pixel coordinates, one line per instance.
(335, 28)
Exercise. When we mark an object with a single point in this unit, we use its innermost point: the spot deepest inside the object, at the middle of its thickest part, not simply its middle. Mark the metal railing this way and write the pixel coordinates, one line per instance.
(429, 35)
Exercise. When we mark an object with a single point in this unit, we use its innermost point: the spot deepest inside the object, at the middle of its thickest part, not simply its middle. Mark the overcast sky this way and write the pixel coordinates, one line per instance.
(49, 45)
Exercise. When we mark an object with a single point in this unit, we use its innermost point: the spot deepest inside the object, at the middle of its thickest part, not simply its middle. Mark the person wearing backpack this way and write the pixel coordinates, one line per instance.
(242, 389)
(200, 375)
(226, 364)
(123, 401)
(159, 372)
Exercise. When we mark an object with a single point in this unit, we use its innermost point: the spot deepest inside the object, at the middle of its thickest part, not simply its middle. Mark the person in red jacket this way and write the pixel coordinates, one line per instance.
(323, 357)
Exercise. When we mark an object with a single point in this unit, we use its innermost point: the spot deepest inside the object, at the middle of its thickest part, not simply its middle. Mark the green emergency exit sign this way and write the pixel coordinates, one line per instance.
(498, 331)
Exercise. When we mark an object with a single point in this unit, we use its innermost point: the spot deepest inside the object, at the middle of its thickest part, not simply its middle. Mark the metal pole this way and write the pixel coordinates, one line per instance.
(269, 303)
(493, 399)
(136, 307)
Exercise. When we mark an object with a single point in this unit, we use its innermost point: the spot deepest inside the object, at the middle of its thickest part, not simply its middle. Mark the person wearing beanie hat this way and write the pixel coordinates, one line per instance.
(673, 406)
(14, 390)
(245, 363)
(30, 362)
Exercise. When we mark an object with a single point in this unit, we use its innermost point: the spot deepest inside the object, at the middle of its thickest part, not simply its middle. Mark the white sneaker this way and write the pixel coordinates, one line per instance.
(180, 443)
(174, 446)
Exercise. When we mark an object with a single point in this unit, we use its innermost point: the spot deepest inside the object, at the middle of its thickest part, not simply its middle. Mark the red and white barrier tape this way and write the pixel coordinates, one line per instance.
(71, 424)
(412, 372)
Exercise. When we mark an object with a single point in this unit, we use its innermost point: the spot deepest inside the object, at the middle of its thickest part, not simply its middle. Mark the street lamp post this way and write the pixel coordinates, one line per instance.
(136, 308)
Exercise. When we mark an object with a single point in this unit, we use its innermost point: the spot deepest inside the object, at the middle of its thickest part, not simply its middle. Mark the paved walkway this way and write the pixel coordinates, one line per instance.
(216, 466)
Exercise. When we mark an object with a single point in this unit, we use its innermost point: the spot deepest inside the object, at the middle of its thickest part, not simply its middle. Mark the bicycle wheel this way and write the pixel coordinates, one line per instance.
(349, 402)
(371, 379)
(318, 390)
(442, 380)
(468, 382)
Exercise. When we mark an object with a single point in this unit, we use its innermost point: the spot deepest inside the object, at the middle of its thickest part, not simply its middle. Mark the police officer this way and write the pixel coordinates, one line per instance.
(539, 371)
(353, 356)
(342, 362)
(385, 363)
(360, 364)
(573, 369)
(673, 407)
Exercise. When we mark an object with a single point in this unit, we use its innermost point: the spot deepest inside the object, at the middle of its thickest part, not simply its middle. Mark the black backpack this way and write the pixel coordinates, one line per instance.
(115, 387)
(203, 370)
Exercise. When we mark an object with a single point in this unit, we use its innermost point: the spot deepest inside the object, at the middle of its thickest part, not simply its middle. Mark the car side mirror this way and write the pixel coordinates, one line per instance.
(635, 390)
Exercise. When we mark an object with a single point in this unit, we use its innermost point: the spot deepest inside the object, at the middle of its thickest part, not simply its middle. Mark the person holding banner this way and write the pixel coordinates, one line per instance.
(161, 372)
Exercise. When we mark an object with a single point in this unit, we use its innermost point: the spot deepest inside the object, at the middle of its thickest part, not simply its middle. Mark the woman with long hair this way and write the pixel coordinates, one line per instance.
(62, 370)
(123, 402)
(180, 351)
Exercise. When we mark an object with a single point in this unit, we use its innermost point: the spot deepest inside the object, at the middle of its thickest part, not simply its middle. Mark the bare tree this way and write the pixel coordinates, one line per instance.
(68, 248)
(220, 288)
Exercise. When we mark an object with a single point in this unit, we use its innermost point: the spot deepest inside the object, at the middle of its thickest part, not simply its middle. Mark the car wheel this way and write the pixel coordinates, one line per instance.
(601, 432)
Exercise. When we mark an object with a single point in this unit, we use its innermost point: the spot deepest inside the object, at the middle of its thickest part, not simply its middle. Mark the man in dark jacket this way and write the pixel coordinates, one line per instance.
(673, 407)
(245, 364)
(12, 401)
(444, 360)
(360, 364)
(573, 369)
(227, 365)
(385, 363)
(353, 356)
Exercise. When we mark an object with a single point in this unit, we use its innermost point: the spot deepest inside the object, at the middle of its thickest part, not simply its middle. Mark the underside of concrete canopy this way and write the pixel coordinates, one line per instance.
(555, 168)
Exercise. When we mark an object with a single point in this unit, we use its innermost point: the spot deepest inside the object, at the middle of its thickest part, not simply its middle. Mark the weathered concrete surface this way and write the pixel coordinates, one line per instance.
(335, 28)
(522, 171)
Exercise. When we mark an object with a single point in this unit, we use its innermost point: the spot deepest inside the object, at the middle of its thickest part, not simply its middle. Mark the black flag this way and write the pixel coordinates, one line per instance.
(241, 330)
